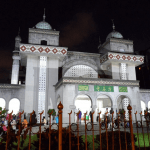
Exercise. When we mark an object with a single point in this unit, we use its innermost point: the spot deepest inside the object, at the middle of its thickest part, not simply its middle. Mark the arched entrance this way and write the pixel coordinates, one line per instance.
(84, 104)
(143, 107)
(122, 104)
(14, 104)
(103, 102)
(2, 103)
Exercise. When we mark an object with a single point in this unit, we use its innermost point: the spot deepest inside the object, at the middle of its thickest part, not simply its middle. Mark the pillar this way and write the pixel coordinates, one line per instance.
(15, 68)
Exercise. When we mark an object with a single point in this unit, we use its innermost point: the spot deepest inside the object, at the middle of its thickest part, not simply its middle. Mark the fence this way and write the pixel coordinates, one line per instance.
(75, 128)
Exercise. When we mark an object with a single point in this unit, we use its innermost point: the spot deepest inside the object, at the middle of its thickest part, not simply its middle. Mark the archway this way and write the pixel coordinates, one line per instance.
(103, 102)
(2, 103)
(143, 107)
(84, 104)
(83, 71)
(14, 104)
(122, 103)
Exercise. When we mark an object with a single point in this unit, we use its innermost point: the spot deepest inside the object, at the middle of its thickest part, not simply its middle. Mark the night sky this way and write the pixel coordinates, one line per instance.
(80, 23)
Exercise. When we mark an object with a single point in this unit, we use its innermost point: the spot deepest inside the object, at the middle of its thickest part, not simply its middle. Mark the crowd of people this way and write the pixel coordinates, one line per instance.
(14, 121)
(107, 119)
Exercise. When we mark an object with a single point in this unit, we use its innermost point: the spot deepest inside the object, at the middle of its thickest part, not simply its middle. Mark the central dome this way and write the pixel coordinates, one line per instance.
(43, 25)
(114, 34)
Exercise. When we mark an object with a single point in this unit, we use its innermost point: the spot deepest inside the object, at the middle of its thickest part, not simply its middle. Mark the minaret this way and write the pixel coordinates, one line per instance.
(16, 58)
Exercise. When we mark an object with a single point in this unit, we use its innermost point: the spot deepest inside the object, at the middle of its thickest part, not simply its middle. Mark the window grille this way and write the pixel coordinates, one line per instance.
(81, 71)
(123, 71)
(42, 86)
(125, 104)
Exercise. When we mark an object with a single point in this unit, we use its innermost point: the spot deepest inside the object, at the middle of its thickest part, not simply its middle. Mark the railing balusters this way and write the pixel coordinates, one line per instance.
(137, 128)
(30, 130)
(49, 134)
(60, 107)
(78, 128)
(8, 130)
(142, 128)
(85, 131)
(40, 130)
(119, 130)
(125, 128)
(70, 130)
(100, 131)
(19, 132)
(112, 131)
(93, 129)
(106, 128)
(131, 127)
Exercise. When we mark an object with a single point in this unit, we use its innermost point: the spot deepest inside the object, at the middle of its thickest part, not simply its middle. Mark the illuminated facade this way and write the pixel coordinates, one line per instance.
(105, 80)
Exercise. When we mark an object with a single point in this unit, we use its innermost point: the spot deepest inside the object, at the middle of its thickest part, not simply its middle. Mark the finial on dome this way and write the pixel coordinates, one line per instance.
(44, 15)
(113, 24)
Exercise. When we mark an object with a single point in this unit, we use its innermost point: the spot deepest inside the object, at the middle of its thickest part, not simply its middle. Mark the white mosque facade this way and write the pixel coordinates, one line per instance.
(88, 81)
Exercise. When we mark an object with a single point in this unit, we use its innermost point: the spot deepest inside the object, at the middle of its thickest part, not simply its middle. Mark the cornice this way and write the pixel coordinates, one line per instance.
(11, 86)
(98, 81)
(43, 31)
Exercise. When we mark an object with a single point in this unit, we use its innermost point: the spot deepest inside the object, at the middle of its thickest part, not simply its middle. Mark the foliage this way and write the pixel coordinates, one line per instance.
(140, 135)
(54, 112)
(116, 140)
(3, 113)
(54, 140)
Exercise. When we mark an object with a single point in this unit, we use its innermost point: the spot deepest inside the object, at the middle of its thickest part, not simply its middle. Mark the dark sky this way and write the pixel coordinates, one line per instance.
(80, 23)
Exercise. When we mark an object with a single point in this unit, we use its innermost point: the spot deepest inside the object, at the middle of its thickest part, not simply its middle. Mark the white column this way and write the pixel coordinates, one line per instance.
(94, 115)
(42, 86)
(123, 72)
(15, 70)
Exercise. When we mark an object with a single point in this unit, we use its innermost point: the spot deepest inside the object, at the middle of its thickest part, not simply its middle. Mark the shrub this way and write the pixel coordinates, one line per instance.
(54, 140)
(116, 140)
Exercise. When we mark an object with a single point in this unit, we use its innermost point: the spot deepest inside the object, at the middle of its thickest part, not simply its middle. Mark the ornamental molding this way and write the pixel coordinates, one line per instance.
(118, 41)
(43, 49)
(43, 31)
(122, 57)
(10, 86)
(144, 90)
(97, 82)
(83, 54)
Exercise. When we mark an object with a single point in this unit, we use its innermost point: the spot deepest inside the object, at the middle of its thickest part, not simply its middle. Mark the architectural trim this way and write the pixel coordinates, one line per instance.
(10, 86)
(43, 31)
(67, 80)
(124, 57)
(144, 90)
(43, 49)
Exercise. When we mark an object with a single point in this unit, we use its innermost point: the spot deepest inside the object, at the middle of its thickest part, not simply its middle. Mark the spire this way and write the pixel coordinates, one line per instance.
(113, 24)
(44, 15)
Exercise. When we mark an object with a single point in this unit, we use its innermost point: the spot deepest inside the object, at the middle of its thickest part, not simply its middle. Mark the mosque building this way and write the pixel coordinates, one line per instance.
(88, 81)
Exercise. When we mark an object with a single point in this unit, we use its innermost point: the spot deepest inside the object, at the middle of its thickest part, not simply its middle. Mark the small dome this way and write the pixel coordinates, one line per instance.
(114, 34)
(18, 38)
(43, 25)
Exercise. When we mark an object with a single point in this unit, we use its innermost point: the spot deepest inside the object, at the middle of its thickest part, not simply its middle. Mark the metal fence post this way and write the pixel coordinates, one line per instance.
(70, 130)
(131, 127)
(60, 107)
(19, 132)
(40, 130)
(8, 130)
